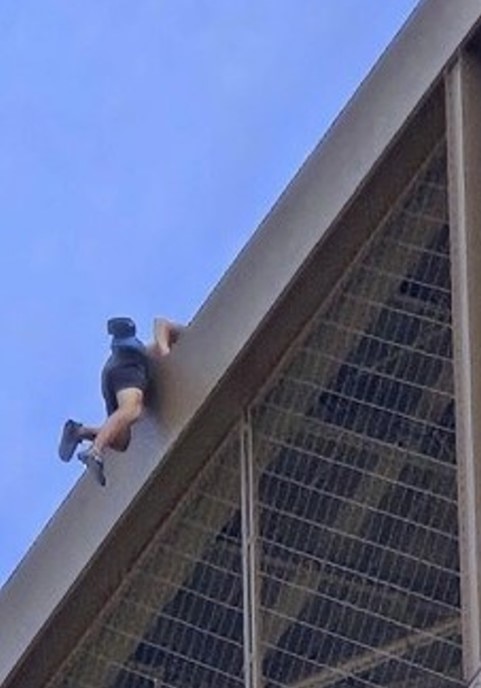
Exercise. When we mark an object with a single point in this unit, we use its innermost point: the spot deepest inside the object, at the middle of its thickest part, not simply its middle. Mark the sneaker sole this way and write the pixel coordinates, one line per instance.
(68, 445)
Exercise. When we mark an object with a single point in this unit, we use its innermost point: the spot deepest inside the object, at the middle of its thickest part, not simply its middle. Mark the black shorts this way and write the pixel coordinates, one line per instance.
(123, 371)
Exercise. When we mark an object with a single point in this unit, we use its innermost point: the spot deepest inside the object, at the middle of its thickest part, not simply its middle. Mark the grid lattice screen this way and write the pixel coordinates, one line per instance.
(178, 620)
(355, 495)
(355, 452)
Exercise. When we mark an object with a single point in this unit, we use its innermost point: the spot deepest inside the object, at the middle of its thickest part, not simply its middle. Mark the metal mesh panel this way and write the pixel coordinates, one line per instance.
(356, 567)
(355, 452)
(177, 621)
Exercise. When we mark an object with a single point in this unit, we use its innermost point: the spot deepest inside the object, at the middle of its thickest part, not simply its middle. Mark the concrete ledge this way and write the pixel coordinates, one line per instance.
(220, 345)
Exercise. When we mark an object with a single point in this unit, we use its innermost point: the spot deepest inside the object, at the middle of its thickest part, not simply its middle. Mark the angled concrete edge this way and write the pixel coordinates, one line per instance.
(226, 326)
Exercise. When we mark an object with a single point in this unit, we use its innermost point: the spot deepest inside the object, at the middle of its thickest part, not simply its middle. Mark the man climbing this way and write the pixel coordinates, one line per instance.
(126, 384)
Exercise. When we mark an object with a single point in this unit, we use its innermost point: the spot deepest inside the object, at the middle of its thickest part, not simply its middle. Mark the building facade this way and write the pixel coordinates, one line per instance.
(305, 512)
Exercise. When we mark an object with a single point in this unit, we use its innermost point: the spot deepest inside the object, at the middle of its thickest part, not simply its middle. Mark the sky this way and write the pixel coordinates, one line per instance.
(142, 142)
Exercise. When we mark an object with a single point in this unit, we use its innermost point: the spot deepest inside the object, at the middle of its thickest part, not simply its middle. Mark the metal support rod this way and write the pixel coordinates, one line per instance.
(252, 669)
(463, 109)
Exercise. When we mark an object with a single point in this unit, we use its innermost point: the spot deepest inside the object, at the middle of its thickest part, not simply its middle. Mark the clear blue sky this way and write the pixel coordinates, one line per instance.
(142, 143)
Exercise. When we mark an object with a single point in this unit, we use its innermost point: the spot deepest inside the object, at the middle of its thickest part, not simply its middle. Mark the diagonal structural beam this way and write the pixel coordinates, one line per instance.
(370, 660)
(139, 602)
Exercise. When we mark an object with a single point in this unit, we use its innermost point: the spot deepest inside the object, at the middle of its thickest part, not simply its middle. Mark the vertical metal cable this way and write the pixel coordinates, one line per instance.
(250, 557)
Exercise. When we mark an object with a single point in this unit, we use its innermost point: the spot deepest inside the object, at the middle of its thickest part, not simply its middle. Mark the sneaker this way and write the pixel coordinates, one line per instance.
(69, 440)
(94, 464)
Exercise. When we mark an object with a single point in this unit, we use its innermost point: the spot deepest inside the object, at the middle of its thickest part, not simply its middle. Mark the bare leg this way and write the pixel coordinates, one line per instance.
(115, 432)
(87, 432)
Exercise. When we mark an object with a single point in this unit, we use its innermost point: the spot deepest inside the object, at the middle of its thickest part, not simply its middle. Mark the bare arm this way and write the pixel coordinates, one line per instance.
(166, 333)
